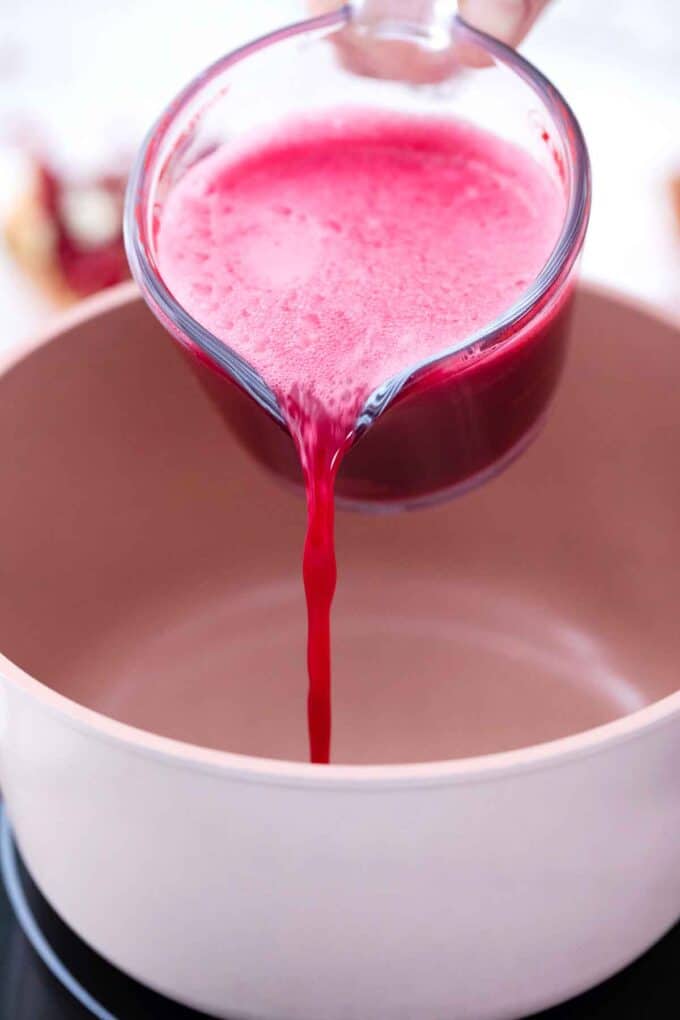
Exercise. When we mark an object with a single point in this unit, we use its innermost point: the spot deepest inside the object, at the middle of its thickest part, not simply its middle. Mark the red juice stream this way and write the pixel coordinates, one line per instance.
(319, 463)
(333, 255)
(320, 445)
(320, 575)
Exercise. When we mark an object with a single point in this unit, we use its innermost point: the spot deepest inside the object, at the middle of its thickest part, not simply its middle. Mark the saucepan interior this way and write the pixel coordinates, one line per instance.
(151, 571)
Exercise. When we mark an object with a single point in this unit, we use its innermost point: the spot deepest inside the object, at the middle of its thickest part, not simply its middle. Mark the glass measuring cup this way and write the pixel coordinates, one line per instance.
(444, 424)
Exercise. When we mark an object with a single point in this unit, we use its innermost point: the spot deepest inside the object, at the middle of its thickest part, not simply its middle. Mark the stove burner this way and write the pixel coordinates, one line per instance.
(48, 973)
(29, 925)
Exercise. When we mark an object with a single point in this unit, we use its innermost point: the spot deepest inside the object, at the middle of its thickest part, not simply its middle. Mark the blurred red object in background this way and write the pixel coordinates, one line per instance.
(67, 236)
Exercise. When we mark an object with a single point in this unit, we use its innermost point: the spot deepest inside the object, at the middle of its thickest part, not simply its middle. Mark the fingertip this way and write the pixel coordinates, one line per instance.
(506, 20)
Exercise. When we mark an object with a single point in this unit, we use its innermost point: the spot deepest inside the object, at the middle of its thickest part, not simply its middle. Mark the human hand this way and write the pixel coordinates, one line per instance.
(507, 20)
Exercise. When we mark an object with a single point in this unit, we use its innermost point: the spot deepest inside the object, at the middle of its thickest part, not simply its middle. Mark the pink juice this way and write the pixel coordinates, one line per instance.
(334, 256)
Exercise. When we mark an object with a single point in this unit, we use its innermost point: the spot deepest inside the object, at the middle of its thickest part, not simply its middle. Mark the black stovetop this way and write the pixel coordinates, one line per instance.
(30, 990)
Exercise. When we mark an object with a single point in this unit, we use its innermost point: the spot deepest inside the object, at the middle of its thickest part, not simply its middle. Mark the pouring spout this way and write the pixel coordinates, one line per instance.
(240, 370)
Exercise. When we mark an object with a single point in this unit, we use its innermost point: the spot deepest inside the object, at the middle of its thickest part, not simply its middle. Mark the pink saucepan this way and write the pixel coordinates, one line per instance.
(501, 827)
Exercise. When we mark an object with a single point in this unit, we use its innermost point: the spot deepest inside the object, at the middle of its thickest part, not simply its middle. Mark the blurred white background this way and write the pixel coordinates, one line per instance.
(88, 77)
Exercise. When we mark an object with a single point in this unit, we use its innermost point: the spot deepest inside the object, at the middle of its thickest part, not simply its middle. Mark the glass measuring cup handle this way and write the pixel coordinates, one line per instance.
(428, 18)
(400, 40)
